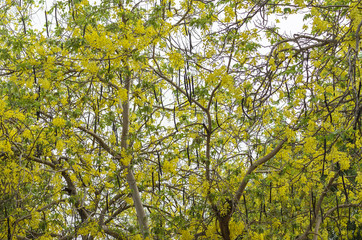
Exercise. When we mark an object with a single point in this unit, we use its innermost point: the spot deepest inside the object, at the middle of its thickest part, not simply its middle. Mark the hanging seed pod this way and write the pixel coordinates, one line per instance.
(179, 77)
(192, 86)
(286, 85)
(119, 183)
(183, 196)
(324, 154)
(163, 107)
(190, 89)
(242, 107)
(326, 103)
(190, 42)
(46, 23)
(107, 201)
(313, 203)
(34, 75)
(178, 84)
(188, 154)
(88, 121)
(217, 119)
(95, 125)
(246, 210)
(344, 188)
(56, 15)
(193, 204)
(84, 29)
(159, 163)
(185, 27)
(153, 183)
(109, 64)
(38, 94)
(73, 14)
(101, 95)
(186, 83)
(260, 211)
(69, 96)
(174, 118)
(177, 98)
(114, 128)
(154, 92)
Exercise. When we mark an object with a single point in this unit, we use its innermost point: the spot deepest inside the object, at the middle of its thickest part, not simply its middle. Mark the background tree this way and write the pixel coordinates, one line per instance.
(180, 120)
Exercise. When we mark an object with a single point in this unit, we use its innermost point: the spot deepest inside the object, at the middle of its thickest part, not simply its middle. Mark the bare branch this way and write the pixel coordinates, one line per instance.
(261, 161)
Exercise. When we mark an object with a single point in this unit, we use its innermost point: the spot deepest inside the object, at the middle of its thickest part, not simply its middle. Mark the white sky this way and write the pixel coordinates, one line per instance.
(288, 24)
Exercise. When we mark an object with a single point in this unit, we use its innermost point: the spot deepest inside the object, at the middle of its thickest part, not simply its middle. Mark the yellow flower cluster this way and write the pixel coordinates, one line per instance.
(176, 59)
(91, 228)
(125, 158)
(229, 13)
(310, 145)
(341, 157)
(186, 235)
(299, 2)
(170, 166)
(122, 94)
(59, 122)
(236, 229)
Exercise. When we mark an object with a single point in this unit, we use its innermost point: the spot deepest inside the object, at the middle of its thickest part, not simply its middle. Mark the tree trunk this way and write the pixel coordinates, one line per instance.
(224, 219)
(224, 227)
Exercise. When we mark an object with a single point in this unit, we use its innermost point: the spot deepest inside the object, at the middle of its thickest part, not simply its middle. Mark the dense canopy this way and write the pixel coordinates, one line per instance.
(190, 119)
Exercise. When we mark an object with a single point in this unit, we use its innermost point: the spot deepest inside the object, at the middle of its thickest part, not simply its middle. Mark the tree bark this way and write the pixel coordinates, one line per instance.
(141, 215)
(224, 228)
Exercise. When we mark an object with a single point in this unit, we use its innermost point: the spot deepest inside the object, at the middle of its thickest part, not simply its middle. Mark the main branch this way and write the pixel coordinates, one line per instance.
(261, 161)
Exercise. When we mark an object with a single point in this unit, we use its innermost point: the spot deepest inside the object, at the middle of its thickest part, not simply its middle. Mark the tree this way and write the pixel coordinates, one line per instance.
(180, 120)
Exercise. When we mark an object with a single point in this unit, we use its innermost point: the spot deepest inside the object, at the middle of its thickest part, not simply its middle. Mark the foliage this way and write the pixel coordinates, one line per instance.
(180, 120)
